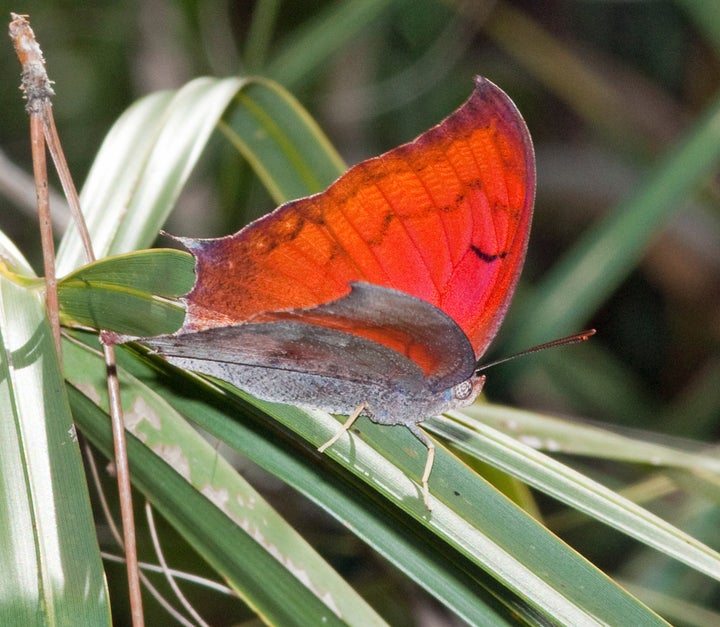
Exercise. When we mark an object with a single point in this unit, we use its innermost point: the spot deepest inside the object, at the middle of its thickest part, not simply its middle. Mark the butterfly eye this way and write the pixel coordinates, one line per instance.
(463, 390)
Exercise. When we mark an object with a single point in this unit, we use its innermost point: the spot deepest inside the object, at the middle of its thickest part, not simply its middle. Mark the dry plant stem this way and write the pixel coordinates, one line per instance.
(209, 584)
(46, 235)
(124, 489)
(90, 458)
(166, 571)
(37, 90)
(58, 156)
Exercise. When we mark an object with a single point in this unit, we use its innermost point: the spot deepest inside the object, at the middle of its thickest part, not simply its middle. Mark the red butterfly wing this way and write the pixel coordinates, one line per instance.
(444, 218)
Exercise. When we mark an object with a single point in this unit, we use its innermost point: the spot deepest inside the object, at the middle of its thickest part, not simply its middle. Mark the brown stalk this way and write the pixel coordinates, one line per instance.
(37, 144)
(37, 91)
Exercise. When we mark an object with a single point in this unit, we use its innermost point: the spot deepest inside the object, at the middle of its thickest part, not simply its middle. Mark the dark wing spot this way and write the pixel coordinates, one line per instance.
(384, 228)
(486, 257)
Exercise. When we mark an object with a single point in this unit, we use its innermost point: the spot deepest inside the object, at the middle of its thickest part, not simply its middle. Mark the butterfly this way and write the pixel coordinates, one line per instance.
(377, 296)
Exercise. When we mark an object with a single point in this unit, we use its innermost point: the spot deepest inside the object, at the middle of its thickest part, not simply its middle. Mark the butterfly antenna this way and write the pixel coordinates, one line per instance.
(563, 341)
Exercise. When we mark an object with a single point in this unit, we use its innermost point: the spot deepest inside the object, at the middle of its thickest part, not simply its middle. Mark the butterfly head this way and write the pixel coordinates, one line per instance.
(465, 392)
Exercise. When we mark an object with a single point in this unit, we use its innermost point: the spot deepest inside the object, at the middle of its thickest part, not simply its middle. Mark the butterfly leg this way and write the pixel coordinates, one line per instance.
(345, 428)
(420, 435)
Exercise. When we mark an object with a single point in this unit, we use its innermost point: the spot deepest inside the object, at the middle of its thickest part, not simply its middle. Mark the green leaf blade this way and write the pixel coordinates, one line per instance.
(132, 294)
(51, 565)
